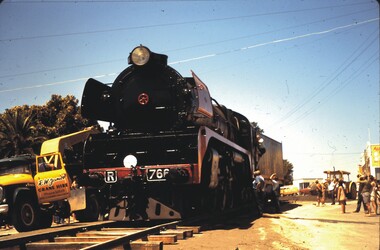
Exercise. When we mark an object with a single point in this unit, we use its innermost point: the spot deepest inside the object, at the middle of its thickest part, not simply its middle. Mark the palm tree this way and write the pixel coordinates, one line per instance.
(24, 128)
(17, 133)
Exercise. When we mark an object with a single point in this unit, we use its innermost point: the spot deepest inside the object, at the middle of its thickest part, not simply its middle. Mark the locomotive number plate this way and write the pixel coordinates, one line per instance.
(157, 174)
(110, 177)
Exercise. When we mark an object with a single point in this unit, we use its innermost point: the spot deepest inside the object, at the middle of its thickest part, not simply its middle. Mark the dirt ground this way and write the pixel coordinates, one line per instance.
(301, 225)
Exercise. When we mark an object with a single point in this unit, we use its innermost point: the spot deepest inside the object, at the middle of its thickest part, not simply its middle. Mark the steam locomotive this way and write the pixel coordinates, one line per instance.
(170, 150)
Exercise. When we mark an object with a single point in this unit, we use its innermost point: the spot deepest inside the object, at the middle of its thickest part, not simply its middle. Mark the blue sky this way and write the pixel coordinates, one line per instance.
(307, 71)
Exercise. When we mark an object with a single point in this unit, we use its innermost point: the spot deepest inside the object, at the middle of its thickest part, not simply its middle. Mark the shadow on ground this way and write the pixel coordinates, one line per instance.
(248, 218)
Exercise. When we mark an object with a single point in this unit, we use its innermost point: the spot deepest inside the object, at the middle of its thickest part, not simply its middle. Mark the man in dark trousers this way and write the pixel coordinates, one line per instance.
(275, 192)
(361, 180)
(258, 189)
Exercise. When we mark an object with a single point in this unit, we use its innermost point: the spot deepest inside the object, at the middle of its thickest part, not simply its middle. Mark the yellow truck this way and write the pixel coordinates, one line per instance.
(288, 190)
(34, 188)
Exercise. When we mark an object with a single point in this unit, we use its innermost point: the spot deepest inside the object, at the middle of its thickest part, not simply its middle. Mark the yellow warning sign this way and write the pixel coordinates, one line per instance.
(375, 155)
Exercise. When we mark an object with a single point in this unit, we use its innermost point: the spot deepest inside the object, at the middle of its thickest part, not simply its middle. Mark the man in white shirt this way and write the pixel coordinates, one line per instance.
(331, 188)
(258, 187)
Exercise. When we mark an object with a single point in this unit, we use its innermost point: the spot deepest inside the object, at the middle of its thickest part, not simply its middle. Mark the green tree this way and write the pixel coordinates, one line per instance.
(18, 133)
(24, 128)
(60, 116)
(288, 170)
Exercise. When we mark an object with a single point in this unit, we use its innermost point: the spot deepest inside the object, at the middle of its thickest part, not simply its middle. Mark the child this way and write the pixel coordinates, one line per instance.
(341, 196)
(373, 195)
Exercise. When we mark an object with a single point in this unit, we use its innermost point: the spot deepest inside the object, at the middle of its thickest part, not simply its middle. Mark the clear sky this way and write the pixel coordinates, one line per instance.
(307, 71)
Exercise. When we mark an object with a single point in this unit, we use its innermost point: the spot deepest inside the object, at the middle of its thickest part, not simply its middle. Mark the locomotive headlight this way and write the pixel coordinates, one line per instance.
(130, 161)
(139, 56)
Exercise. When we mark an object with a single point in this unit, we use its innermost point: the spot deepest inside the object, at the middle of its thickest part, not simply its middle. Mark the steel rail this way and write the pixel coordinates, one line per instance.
(125, 240)
(21, 239)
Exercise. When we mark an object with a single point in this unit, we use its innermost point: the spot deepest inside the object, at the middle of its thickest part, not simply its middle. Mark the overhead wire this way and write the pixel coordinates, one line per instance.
(227, 51)
(278, 41)
(63, 68)
(352, 77)
(351, 58)
(337, 89)
(267, 32)
(57, 83)
(183, 48)
(163, 25)
(110, 1)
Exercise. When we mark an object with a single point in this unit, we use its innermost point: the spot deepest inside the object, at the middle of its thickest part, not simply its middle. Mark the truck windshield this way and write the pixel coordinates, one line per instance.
(14, 168)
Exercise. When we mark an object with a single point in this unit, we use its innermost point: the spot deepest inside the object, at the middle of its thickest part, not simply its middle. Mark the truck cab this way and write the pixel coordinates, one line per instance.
(51, 180)
(15, 175)
(26, 191)
(17, 184)
(34, 188)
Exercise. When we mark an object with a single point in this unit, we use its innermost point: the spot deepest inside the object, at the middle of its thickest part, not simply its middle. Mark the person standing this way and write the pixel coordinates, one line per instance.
(366, 193)
(275, 192)
(361, 181)
(258, 190)
(378, 198)
(332, 189)
(324, 190)
(341, 196)
(373, 194)
(319, 192)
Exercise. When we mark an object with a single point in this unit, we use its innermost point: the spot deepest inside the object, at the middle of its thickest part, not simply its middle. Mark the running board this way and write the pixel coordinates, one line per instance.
(155, 211)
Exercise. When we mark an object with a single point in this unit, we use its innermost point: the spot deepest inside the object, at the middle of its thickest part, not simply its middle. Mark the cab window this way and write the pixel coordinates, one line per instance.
(49, 163)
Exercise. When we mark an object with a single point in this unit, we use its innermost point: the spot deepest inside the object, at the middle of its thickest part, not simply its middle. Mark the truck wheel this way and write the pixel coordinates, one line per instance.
(26, 214)
(353, 192)
(46, 219)
(92, 210)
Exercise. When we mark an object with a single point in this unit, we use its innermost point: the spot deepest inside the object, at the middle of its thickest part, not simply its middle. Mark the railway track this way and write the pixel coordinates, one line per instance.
(99, 235)
(116, 235)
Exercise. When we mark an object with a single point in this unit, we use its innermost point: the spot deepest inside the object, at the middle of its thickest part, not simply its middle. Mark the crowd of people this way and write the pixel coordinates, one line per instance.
(368, 194)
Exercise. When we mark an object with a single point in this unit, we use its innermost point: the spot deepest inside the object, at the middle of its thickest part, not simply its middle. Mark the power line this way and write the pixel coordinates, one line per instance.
(279, 40)
(63, 68)
(317, 91)
(350, 79)
(267, 32)
(167, 24)
(216, 54)
(353, 76)
(57, 83)
(183, 48)
(110, 1)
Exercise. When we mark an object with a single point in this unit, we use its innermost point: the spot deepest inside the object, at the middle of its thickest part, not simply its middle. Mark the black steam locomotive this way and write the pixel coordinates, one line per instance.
(170, 150)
